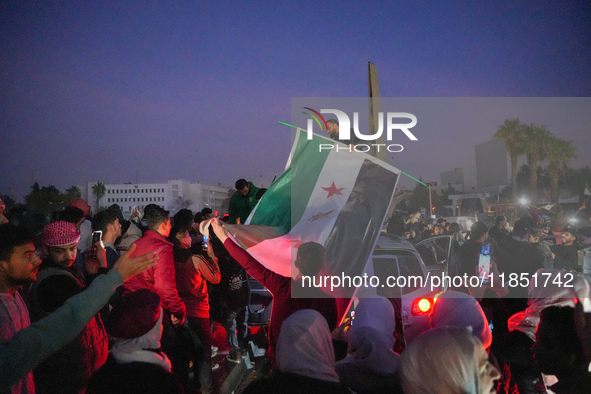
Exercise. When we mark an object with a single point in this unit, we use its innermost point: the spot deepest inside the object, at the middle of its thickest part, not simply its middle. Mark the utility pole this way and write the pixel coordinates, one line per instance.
(429, 185)
(430, 202)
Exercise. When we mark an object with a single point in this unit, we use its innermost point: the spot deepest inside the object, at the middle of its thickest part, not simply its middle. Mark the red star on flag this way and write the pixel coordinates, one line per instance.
(332, 190)
(320, 215)
(296, 243)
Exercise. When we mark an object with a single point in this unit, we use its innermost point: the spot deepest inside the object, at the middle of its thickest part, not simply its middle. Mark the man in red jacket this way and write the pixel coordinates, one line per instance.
(309, 261)
(161, 278)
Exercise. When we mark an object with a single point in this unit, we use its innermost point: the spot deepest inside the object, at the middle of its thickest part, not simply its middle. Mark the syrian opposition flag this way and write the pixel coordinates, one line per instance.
(336, 198)
(587, 189)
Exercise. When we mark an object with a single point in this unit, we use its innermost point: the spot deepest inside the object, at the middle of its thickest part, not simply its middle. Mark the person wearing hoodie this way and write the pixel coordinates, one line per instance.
(371, 363)
(457, 309)
(136, 364)
(305, 357)
(513, 350)
(447, 360)
(558, 351)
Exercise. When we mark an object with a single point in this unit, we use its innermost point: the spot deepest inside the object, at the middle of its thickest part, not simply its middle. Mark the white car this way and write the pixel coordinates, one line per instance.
(414, 294)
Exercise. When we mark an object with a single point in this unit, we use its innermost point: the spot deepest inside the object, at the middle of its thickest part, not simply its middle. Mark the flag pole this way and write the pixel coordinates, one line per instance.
(375, 108)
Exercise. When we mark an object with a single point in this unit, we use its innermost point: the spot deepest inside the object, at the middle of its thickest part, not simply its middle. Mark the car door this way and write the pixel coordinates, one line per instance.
(403, 293)
(436, 253)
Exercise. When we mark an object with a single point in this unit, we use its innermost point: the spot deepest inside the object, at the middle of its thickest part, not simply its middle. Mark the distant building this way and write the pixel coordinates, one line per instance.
(482, 184)
(493, 166)
(462, 179)
(173, 196)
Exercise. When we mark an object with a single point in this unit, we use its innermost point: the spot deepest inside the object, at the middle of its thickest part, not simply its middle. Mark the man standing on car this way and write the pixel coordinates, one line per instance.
(242, 202)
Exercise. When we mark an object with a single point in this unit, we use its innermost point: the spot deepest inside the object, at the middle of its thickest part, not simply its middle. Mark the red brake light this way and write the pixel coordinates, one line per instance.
(422, 306)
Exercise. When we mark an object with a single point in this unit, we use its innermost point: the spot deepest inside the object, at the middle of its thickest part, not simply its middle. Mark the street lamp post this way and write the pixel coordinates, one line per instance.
(430, 202)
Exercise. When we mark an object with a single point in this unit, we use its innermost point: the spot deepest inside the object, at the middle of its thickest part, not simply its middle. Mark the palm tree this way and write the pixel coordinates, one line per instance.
(512, 132)
(73, 192)
(559, 152)
(99, 190)
(536, 138)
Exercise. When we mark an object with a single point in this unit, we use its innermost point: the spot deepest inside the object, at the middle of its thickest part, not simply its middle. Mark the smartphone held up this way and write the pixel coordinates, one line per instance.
(484, 263)
(96, 240)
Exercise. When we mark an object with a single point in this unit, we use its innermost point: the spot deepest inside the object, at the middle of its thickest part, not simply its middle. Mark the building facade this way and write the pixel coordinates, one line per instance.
(493, 166)
(173, 196)
(462, 179)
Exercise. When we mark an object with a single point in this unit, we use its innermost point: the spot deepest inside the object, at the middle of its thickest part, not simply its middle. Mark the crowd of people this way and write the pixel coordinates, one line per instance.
(101, 304)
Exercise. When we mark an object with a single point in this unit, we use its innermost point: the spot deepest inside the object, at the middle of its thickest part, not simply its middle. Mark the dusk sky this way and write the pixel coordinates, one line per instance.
(149, 91)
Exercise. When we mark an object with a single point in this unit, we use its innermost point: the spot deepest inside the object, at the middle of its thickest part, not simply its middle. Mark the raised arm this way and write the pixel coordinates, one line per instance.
(262, 274)
(33, 344)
